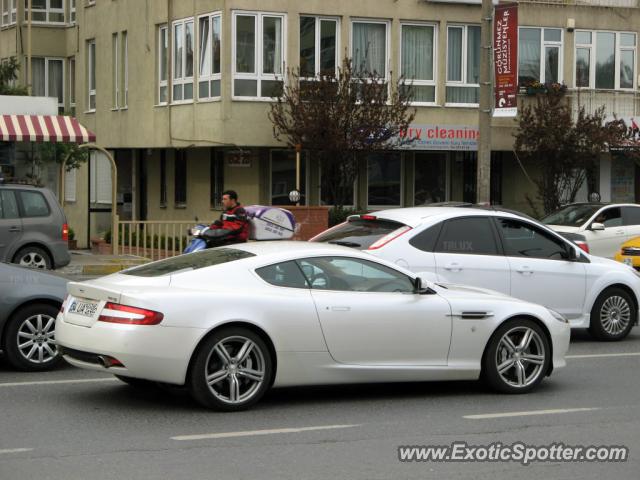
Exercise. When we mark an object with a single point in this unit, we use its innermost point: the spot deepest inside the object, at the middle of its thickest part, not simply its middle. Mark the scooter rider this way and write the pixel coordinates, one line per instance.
(233, 219)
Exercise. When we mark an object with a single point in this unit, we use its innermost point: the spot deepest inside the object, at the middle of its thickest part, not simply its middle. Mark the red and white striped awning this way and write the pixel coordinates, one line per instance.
(43, 128)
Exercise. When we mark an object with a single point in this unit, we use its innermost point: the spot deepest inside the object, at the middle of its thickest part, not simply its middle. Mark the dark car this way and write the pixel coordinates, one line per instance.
(29, 303)
(33, 227)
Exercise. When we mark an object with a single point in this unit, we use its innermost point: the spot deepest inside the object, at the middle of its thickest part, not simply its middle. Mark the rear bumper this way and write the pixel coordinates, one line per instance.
(150, 352)
(60, 254)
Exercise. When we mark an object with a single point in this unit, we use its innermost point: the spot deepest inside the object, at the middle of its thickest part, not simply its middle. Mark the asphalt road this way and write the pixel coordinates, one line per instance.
(88, 426)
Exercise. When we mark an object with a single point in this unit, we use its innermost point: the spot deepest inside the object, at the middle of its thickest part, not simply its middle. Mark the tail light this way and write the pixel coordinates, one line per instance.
(65, 232)
(116, 313)
(389, 237)
(583, 245)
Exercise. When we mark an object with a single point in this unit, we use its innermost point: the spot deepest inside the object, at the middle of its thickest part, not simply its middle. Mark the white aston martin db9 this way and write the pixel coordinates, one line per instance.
(231, 322)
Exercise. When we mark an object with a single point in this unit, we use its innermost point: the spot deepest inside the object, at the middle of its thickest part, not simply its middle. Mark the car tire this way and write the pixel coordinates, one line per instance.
(513, 363)
(613, 315)
(138, 383)
(33, 257)
(231, 370)
(29, 338)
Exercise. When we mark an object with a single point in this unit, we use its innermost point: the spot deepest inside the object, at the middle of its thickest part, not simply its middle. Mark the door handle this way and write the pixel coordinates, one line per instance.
(340, 309)
(525, 270)
(453, 267)
(14, 229)
(619, 232)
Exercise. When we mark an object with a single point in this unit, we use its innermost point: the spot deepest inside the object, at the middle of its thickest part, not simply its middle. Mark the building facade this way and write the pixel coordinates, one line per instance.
(180, 91)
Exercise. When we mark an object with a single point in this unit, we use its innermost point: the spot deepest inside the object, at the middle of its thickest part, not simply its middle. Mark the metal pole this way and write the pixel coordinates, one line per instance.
(483, 185)
(29, 66)
(298, 151)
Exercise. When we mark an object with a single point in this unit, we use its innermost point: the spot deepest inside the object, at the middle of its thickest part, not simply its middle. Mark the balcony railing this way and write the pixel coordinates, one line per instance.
(592, 3)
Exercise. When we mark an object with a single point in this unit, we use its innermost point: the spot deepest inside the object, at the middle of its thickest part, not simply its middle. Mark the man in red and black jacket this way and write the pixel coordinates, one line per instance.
(233, 218)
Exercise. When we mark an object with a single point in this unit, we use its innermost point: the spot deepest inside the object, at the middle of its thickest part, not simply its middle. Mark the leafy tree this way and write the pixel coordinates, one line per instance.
(338, 116)
(8, 74)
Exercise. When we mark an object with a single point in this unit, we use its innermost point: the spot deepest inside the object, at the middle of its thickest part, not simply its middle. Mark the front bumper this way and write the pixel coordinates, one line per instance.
(561, 338)
(151, 352)
(631, 260)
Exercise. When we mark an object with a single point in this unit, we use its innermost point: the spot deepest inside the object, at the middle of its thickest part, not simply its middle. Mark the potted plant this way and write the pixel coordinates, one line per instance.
(72, 242)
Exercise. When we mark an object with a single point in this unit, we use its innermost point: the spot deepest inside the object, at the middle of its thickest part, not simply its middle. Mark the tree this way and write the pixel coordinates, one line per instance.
(8, 74)
(565, 146)
(337, 117)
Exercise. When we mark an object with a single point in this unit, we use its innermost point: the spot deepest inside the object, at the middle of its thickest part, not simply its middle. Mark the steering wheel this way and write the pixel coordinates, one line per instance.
(321, 276)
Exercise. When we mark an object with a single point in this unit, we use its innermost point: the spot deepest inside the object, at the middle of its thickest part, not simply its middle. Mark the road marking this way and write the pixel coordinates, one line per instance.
(529, 413)
(250, 433)
(15, 450)
(58, 382)
(604, 355)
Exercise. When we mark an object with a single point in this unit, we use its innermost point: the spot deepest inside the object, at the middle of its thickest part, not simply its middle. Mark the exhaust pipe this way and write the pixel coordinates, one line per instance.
(104, 361)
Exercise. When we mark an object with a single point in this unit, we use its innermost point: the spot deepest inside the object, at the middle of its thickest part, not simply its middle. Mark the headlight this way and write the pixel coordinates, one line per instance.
(558, 316)
(195, 232)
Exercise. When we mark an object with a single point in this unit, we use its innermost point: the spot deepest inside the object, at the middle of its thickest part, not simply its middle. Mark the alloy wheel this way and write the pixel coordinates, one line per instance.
(36, 339)
(615, 315)
(520, 357)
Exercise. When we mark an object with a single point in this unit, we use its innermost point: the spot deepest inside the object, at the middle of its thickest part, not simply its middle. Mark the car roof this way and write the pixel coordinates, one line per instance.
(414, 216)
(283, 249)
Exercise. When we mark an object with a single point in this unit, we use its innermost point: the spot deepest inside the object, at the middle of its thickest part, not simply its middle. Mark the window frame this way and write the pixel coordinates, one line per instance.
(11, 13)
(72, 12)
(421, 83)
(91, 71)
(258, 76)
(317, 47)
(115, 71)
(543, 45)
(497, 238)
(304, 180)
(125, 70)
(592, 59)
(463, 82)
(61, 105)
(387, 24)
(551, 236)
(163, 83)
(209, 77)
(183, 80)
(271, 265)
(21, 204)
(47, 10)
(71, 61)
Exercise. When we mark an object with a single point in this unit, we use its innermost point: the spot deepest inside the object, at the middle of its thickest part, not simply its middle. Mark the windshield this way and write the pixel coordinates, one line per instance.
(188, 262)
(358, 233)
(571, 216)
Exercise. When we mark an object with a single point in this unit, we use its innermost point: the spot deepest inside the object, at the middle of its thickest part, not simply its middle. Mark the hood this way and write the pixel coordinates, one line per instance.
(610, 264)
(453, 289)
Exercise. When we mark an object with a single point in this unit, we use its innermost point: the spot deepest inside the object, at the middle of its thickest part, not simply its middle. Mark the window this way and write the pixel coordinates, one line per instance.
(91, 74)
(426, 240)
(384, 176)
(115, 66)
(183, 60)
(610, 217)
(9, 12)
(286, 274)
(353, 275)
(361, 233)
(524, 240)
(417, 60)
(101, 178)
(124, 71)
(163, 64)
(48, 78)
(72, 83)
(70, 179)
(72, 12)
(33, 204)
(539, 55)
(463, 64)
(216, 178)
(259, 55)
(180, 178)
(45, 11)
(8, 205)
(283, 177)
(334, 189)
(430, 178)
(318, 46)
(209, 38)
(631, 215)
(470, 235)
(163, 178)
(605, 60)
(369, 45)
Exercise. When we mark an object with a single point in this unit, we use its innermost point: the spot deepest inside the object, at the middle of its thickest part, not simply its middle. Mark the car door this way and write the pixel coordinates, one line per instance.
(370, 316)
(467, 252)
(10, 224)
(540, 269)
(605, 243)
(631, 221)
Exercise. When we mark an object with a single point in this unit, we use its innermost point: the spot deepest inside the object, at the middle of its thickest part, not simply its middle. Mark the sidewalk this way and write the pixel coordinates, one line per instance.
(83, 262)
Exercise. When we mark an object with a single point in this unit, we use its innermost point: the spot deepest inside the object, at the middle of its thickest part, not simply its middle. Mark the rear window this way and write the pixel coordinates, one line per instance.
(358, 233)
(33, 204)
(188, 262)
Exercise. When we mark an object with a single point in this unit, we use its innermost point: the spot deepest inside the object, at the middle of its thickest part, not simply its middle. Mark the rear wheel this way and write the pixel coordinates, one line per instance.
(232, 370)
(517, 357)
(30, 342)
(613, 315)
(33, 257)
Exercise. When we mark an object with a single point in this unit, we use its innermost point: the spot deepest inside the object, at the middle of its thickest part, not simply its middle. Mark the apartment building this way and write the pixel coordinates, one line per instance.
(179, 91)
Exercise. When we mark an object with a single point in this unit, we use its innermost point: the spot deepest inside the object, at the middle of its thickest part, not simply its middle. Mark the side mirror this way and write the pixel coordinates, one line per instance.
(419, 288)
(597, 227)
(574, 253)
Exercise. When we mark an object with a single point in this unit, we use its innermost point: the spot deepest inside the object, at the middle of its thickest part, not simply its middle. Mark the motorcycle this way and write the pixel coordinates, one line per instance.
(265, 223)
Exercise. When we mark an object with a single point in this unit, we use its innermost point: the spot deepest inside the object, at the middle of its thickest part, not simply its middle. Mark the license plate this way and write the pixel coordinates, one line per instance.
(86, 309)
(628, 261)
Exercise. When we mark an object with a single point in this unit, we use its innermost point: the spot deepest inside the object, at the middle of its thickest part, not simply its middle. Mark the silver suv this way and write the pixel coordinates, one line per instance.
(33, 227)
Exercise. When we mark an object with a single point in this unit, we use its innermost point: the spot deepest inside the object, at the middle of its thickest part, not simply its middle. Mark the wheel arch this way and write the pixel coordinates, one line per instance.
(621, 286)
(34, 244)
(27, 303)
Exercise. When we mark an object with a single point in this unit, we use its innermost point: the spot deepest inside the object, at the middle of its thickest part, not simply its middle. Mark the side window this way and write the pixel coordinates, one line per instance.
(286, 274)
(426, 240)
(610, 217)
(631, 215)
(523, 240)
(468, 235)
(34, 204)
(353, 275)
(8, 205)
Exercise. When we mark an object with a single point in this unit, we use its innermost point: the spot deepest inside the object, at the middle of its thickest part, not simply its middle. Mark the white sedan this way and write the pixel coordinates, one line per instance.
(231, 322)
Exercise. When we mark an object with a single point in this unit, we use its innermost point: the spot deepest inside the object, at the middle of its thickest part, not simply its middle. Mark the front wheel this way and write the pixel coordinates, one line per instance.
(232, 370)
(517, 357)
(613, 315)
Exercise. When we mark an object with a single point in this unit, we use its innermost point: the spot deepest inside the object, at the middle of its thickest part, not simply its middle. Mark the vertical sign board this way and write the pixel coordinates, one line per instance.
(505, 59)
